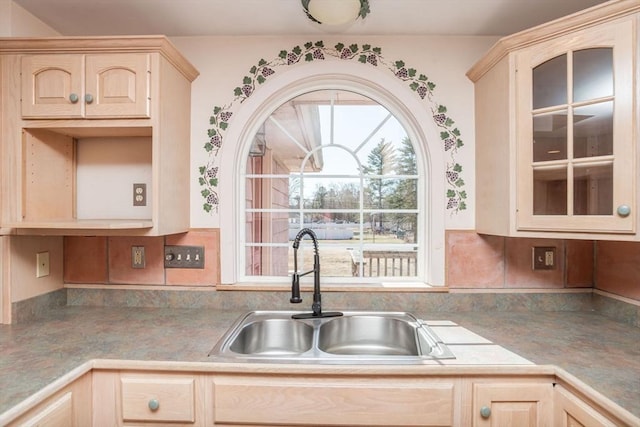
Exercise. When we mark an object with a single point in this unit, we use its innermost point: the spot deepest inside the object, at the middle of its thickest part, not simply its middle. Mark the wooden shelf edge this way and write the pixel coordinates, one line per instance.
(116, 224)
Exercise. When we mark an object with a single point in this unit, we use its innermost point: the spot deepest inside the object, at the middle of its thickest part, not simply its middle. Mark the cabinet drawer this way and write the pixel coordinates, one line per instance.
(160, 398)
(367, 402)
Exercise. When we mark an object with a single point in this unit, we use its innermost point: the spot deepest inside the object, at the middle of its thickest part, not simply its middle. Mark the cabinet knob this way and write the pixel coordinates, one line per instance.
(73, 98)
(154, 404)
(88, 98)
(485, 412)
(624, 210)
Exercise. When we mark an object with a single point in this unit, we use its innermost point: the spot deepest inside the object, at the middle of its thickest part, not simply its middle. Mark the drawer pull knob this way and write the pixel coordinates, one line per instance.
(154, 404)
(624, 210)
(88, 98)
(73, 98)
(485, 412)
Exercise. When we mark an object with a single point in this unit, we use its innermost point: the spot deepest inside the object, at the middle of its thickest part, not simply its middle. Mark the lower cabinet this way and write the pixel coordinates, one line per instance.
(150, 398)
(500, 404)
(571, 411)
(69, 407)
(244, 396)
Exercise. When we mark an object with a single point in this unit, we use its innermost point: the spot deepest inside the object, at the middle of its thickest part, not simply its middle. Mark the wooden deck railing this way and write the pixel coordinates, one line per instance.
(383, 263)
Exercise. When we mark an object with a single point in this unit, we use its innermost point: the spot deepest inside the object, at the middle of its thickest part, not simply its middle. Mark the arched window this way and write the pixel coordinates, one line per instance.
(345, 157)
(342, 165)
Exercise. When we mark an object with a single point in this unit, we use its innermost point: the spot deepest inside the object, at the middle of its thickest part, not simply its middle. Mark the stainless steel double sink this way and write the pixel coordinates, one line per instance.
(355, 337)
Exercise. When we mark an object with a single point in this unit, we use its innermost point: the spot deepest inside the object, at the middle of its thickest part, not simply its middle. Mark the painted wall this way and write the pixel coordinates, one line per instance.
(22, 274)
(17, 22)
(224, 61)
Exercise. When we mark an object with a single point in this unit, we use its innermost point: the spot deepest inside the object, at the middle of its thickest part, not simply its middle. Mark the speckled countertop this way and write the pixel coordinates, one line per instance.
(604, 354)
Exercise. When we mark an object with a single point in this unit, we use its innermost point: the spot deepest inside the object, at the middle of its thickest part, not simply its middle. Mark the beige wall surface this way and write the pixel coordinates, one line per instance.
(17, 22)
(24, 250)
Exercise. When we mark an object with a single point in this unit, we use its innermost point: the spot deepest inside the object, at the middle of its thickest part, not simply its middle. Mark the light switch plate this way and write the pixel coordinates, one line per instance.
(178, 256)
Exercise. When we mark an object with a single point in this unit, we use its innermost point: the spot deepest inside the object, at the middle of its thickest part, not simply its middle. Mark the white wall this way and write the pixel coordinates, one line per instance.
(224, 61)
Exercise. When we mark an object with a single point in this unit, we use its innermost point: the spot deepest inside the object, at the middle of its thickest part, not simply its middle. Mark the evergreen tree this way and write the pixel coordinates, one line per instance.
(380, 161)
(405, 194)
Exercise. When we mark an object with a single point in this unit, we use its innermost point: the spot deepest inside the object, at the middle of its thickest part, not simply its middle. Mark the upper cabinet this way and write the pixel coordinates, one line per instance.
(556, 128)
(74, 86)
(95, 136)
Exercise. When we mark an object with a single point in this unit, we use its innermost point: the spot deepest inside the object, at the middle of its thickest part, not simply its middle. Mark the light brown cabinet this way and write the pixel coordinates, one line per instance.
(571, 411)
(499, 404)
(263, 395)
(556, 154)
(87, 122)
(91, 86)
(69, 407)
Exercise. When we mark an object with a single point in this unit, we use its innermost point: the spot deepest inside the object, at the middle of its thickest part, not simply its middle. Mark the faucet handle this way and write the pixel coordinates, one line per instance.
(295, 289)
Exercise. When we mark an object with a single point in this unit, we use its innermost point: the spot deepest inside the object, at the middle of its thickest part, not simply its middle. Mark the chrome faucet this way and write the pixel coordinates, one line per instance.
(316, 307)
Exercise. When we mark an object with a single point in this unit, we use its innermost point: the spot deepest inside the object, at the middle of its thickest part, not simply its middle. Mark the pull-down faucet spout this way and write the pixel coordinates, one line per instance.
(316, 306)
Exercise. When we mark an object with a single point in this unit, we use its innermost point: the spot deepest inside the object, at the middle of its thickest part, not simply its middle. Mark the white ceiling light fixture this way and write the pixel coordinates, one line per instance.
(335, 13)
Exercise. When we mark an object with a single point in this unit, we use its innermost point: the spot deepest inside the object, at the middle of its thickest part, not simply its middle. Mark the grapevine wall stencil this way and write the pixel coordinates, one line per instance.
(365, 54)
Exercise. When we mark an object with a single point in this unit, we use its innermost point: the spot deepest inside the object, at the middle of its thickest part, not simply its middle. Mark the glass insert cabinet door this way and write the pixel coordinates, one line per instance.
(575, 143)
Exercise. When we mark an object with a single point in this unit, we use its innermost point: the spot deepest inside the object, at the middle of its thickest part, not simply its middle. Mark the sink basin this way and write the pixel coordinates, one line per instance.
(368, 335)
(355, 337)
(273, 337)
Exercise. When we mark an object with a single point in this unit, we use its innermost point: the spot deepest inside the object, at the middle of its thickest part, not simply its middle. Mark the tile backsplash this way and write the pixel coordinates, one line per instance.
(473, 261)
(476, 261)
(107, 260)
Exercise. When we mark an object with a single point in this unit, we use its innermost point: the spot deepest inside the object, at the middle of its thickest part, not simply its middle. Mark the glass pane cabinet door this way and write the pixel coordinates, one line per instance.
(586, 121)
(578, 127)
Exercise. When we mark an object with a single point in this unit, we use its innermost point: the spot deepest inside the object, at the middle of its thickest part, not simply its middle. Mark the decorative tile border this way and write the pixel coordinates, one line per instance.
(367, 55)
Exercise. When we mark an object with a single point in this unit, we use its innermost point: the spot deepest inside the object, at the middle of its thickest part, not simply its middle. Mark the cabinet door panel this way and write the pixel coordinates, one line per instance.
(69, 407)
(575, 154)
(52, 86)
(570, 411)
(366, 402)
(513, 404)
(58, 414)
(117, 85)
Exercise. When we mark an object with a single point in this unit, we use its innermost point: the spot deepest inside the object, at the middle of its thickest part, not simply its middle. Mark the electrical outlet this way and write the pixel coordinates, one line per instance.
(137, 257)
(42, 264)
(184, 256)
(140, 194)
(544, 258)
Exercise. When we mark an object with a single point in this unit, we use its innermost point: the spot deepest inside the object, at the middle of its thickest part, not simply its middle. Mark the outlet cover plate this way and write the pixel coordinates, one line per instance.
(544, 258)
(42, 264)
(137, 257)
(140, 194)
